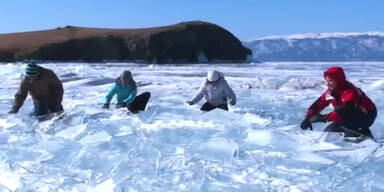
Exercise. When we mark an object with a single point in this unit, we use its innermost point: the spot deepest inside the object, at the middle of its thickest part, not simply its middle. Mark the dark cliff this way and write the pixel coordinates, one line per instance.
(188, 42)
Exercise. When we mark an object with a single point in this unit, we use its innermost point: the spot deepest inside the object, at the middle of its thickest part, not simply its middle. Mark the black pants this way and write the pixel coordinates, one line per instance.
(209, 107)
(44, 109)
(139, 103)
(355, 125)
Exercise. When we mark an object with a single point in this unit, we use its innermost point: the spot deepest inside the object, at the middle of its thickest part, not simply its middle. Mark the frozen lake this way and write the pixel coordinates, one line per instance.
(256, 146)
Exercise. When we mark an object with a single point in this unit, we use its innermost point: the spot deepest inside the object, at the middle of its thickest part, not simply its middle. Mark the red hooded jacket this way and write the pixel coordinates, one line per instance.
(345, 96)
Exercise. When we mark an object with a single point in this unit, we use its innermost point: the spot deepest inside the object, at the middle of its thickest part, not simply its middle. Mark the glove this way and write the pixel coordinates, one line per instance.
(318, 118)
(120, 105)
(106, 106)
(305, 123)
(190, 102)
(232, 102)
(12, 111)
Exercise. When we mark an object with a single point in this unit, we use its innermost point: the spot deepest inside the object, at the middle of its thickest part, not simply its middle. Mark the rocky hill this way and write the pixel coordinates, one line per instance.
(187, 42)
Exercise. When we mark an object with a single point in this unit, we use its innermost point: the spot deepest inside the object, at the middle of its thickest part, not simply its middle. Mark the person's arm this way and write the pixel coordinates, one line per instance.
(20, 96)
(318, 105)
(200, 94)
(313, 113)
(230, 94)
(131, 97)
(348, 99)
(57, 88)
(110, 95)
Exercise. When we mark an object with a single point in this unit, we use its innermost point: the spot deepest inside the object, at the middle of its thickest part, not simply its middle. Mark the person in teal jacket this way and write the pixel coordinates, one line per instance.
(126, 89)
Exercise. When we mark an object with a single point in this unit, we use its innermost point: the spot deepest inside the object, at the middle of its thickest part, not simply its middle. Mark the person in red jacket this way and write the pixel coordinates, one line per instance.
(353, 112)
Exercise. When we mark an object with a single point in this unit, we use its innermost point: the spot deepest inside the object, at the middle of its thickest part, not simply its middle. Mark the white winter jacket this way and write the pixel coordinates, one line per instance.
(215, 94)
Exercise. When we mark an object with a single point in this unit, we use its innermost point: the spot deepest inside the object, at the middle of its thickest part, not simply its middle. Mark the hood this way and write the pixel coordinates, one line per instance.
(337, 74)
(213, 75)
(128, 75)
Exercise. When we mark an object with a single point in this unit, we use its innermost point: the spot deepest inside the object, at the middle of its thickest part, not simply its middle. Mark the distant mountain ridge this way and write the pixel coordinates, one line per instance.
(367, 46)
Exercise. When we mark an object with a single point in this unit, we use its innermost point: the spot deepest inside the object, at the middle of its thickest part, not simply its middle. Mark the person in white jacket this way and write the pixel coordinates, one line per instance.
(216, 91)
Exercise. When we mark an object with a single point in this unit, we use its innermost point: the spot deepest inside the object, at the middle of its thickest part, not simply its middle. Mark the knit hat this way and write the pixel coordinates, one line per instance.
(32, 70)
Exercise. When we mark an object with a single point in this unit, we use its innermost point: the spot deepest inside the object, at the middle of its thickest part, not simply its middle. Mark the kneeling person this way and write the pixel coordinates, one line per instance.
(353, 112)
(44, 87)
(126, 89)
(216, 91)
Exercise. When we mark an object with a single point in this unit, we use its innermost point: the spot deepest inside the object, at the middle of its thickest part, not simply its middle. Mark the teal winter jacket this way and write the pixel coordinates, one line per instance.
(125, 93)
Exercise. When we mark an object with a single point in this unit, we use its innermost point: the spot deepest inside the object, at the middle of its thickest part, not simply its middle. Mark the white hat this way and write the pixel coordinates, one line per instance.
(213, 75)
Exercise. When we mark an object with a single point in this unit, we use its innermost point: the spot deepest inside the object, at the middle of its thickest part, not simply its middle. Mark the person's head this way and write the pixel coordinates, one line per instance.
(32, 71)
(126, 77)
(213, 76)
(335, 78)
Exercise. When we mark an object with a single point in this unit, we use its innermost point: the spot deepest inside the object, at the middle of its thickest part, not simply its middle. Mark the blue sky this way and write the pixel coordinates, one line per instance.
(247, 19)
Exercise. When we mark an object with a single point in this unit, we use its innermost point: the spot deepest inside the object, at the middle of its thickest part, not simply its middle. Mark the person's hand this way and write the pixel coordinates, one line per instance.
(305, 124)
(106, 106)
(190, 102)
(318, 118)
(232, 102)
(120, 105)
(12, 111)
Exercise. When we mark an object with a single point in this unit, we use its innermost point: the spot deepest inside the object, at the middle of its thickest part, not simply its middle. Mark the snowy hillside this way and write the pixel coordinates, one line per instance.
(367, 46)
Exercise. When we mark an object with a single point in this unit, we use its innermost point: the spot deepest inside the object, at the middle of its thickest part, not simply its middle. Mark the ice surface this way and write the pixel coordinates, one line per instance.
(256, 146)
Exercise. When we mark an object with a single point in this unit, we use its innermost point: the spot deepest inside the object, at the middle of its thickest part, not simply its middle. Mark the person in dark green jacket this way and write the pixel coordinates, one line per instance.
(126, 89)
